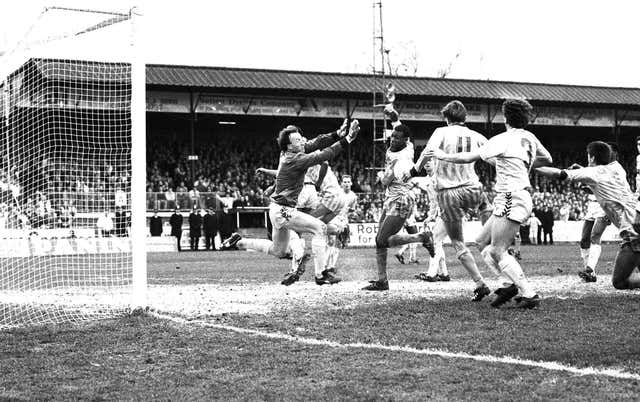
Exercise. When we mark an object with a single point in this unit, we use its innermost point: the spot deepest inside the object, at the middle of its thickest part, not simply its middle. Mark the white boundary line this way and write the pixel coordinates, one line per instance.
(553, 366)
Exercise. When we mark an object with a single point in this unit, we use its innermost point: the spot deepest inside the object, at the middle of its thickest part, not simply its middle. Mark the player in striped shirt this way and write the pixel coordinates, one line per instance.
(437, 270)
(340, 224)
(398, 203)
(515, 153)
(296, 156)
(608, 181)
(458, 186)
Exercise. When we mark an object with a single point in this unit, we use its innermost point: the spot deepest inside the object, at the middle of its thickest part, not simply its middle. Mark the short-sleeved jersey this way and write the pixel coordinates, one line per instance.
(350, 203)
(454, 139)
(514, 151)
(609, 185)
(329, 183)
(402, 162)
(426, 185)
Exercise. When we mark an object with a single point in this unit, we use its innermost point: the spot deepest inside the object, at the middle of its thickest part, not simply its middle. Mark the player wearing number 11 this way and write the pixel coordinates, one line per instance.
(457, 185)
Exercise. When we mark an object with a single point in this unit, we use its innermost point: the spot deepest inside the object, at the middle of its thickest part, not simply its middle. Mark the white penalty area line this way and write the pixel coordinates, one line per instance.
(552, 366)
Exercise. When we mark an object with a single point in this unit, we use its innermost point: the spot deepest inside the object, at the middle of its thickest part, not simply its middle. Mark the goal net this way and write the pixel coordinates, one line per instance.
(68, 216)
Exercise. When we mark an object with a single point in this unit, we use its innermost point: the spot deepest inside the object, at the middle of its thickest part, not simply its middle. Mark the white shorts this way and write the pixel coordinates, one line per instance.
(594, 211)
(333, 202)
(308, 197)
(281, 216)
(515, 206)
(340, 222)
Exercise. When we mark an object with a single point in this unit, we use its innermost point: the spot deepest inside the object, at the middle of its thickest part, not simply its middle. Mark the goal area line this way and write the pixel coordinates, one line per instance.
(545, 365)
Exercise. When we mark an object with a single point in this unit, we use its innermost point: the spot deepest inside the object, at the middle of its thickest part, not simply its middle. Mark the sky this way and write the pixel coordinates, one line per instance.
(551, 41)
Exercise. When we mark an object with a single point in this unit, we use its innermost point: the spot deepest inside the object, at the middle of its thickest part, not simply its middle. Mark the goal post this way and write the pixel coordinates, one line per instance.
(73, 170)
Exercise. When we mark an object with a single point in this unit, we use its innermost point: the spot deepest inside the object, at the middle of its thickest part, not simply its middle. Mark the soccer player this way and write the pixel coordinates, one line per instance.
(325, 207)
(515, 152)
(458, 186)
(411, 227)
(595, 222)
(296, 156)
(437, 270)
(341, 223)
(608, 181)
(398, 203)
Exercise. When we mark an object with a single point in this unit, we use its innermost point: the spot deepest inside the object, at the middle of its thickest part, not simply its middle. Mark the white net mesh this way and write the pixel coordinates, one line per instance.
(65, 181)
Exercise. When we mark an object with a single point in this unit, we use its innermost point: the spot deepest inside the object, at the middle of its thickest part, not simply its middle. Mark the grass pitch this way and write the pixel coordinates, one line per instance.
(336, 342)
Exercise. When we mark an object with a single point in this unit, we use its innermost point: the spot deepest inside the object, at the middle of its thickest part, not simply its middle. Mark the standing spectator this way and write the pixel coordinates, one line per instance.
(547, 224)
(155, 224)
(195, 228)
(564, 212)
(105, 224)
(525, 229)
(210, 226)
(176, 226)
(170, 196)
(534, 227)
(539, 213)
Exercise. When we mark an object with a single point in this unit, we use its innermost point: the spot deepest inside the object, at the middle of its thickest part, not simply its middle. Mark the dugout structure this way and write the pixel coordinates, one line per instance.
(70, 128)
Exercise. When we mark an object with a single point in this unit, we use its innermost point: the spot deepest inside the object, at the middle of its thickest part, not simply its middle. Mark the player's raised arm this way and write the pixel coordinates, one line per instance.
(317, 157)
(324, 140)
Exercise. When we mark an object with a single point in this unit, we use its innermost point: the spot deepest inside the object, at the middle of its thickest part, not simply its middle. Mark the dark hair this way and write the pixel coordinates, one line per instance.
(517, 112)
(455, 112)
(283, 136)
(601, 151)
(405, 130)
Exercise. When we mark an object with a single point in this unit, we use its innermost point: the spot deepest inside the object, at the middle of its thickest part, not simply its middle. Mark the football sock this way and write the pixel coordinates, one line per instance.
(261, 245)
(594, 256)
(334, 256)
(319, 248)
(440, 259)
(402, 249)
(513, 270)
(584, 253)
(381, 260)
(433, 266)
(412, 251)
(297, 250)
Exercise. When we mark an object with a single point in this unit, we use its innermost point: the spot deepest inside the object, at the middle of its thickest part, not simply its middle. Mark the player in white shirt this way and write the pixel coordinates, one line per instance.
(411, 227)
(398, 203)
(458, 186)
(516, 152)
(340, 224)
(595, 222)
(437, 270)
(608, 181)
